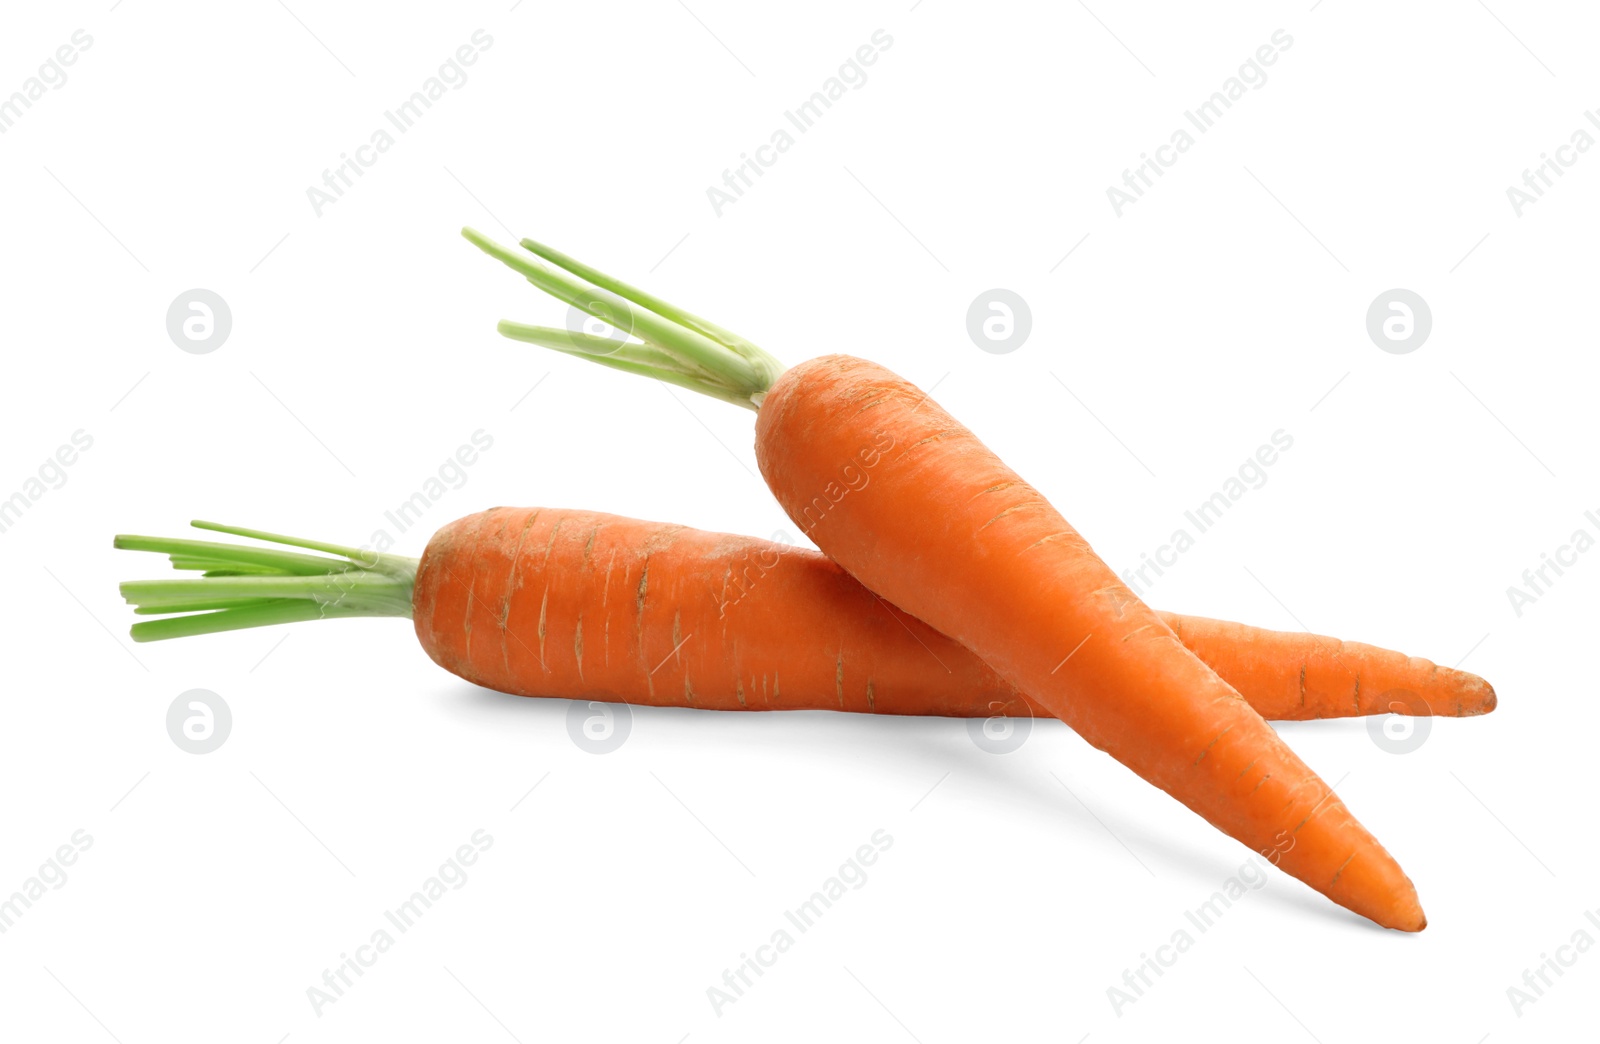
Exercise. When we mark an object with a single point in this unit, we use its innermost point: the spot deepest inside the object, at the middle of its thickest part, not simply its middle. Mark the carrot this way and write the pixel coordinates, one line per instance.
(912, 504)
(945, 530)
(736, 623)
(726, 623)
(1297, 676)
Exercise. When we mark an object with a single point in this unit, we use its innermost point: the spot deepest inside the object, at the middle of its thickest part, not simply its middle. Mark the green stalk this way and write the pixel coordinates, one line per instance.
(640, 297)
(244, 586)
(206, 555)
(676, 347)
(630, 358)
(635, 352)
(266, 614)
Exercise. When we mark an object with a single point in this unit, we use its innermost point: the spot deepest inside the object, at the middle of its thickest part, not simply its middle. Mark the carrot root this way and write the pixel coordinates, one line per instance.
(913, 505)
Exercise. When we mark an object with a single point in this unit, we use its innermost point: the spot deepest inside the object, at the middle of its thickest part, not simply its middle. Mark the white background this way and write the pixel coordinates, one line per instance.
(1226, 304)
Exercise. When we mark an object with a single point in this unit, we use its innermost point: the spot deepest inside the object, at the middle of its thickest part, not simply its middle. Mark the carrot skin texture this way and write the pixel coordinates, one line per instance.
(1294, 676)
(794, 618)
(923, 514)
(584, 605)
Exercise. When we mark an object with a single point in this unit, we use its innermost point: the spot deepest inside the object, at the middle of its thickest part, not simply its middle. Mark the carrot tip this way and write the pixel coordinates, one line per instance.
(1481, 699)
(1412, 926)
(1412, 920)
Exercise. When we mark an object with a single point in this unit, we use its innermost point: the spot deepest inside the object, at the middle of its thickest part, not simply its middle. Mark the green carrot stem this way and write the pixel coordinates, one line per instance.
(265, 614)
(245, 586)
(359, 556)
(665, 309)
(733, 369)
(589, 345)
(628, 362)
(610, 308)
(217, 555)
(174, 608)
(357, 589)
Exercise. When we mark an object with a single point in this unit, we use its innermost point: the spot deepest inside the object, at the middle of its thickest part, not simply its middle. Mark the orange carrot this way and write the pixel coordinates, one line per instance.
(532, 601)
(908, 501)
(726, 623)
(1334, 679)
(941, 527)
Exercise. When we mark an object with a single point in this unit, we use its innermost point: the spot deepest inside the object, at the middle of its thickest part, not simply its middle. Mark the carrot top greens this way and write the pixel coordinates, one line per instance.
(244, 586)
(670, 344)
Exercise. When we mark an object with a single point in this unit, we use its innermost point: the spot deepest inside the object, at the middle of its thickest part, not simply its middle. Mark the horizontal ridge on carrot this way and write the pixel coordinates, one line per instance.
(923, 514)
(544, 602)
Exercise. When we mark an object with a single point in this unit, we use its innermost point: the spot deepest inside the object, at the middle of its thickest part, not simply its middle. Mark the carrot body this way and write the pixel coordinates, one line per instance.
(764, 626)
(1295, 676)
(923, 514)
